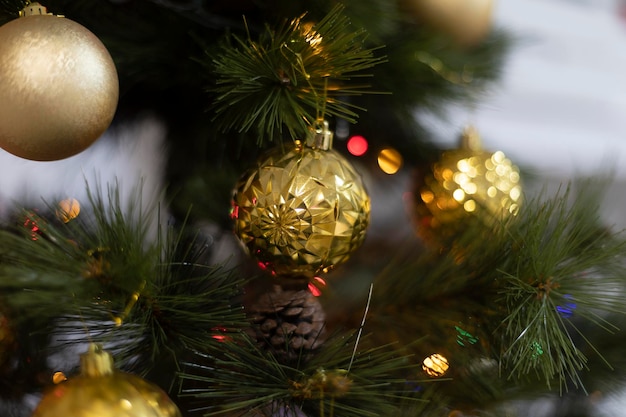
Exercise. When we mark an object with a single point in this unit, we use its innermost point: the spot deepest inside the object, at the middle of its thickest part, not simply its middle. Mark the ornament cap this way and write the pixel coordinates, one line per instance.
(320, 136)
(470, 139)
(96, 362)
(34, 9)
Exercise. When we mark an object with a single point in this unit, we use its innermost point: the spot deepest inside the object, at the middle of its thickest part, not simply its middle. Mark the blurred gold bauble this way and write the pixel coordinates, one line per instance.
(301, 211)
(467, 22)
(466, 182)
(101, 391)
(58, 87)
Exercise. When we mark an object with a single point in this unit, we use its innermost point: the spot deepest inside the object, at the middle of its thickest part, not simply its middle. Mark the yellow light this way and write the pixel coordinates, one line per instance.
(435, 365)
(470, 188)
(58, 377)
(458, 195)
(68, 209)
(389, 160)
(515, 193)
(427, 196)
(125, 404)
(470, 206)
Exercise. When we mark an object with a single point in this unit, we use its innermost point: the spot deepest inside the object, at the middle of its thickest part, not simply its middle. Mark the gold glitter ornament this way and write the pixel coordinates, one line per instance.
(102, 391)
(302, 211)
(466, 182)
(58, 86)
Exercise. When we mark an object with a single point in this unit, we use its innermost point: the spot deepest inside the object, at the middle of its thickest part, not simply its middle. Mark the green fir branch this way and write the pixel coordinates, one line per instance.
(10, 9)
(564, 270)
(107, 277)
(239, 377)
(291, 76)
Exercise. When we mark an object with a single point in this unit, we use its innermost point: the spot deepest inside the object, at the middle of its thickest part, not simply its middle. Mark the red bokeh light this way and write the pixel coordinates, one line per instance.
(314, 290)
(357, 145)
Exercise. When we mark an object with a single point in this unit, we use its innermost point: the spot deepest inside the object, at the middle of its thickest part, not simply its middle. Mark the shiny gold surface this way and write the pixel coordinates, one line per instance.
(301, 212)
(101, 391)
(465, 21)
(58, 87)
(468, 181)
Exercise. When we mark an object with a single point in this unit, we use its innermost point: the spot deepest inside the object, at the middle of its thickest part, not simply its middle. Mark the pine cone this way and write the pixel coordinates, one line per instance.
(288, 322)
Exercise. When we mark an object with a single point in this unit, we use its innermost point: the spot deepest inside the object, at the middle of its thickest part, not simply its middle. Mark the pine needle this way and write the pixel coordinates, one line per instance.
(562, 271)
(290, 76)
(240, 377)
(106, 277)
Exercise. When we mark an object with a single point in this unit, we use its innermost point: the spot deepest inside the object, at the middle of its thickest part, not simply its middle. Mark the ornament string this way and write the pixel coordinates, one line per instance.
(358, 336)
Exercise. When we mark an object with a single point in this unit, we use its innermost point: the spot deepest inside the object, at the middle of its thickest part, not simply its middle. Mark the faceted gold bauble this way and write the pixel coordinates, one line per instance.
(301, 212)
(102, 391)
(58, 87)
(467, 182)
(466, 21)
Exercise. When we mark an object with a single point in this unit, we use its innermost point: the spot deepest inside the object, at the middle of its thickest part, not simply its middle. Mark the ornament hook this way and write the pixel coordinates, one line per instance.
(470, 139)
(320, 136)
(34, 9)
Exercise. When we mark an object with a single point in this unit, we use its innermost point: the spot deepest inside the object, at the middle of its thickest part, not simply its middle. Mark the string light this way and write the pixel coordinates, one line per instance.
(357, 145)
(389, 161)
(435, 365)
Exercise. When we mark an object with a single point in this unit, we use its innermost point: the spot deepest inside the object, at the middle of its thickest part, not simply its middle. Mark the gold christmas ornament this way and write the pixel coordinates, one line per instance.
(435, 365)
(58, 86)
(303, 211)
(466, 182)
(102, 391)
(467, 22)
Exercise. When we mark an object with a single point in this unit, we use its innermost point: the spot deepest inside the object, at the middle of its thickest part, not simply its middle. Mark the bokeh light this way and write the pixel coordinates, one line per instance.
(68, 209)
(357, 145)
(435, 365)
(390, 161)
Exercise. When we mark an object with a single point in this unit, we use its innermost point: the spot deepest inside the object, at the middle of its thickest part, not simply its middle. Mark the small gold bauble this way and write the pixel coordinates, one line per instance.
(435, 365)
(466, 182)
(301, 212)
(101, 391)
(467, 22)
(58, 87)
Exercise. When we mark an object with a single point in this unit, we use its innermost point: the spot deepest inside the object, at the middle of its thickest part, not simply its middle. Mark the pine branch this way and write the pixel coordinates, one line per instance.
(104, 277)
(534, 295)
(9, 9)
(291, 76)
(241, 379)
(564, 270)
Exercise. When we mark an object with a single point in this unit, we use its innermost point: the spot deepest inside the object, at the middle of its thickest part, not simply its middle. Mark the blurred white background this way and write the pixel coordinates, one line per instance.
(561, 105)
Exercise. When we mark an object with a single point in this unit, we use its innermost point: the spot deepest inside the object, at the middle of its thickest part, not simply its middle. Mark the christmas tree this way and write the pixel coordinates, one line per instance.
(244, 268)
